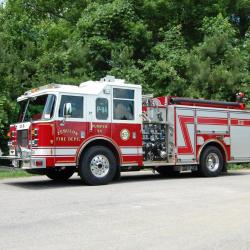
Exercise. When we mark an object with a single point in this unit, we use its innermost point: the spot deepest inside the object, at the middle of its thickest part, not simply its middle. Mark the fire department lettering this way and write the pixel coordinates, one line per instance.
(67, 135)
(67, 139)
(67, 131)
(100, 128)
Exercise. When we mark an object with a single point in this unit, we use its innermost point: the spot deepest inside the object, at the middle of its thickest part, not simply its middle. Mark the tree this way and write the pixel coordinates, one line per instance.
(165, 69)
(217, 68)
(195, 48)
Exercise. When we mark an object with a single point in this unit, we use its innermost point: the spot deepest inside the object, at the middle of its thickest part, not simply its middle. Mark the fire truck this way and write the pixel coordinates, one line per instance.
(101, 128)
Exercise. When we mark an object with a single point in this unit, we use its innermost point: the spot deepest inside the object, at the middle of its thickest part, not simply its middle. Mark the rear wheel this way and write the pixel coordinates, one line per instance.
(98, 166)
(61, 174)
(211, 162)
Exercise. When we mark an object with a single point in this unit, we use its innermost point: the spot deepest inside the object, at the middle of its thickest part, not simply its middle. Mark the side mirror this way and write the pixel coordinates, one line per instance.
(67, 110)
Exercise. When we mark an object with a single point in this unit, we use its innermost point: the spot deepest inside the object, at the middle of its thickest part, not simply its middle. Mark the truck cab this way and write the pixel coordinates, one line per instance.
(58, 124)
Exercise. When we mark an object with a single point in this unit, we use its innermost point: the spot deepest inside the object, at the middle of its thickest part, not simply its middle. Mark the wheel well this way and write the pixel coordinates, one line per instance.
(105, 143)
(222, 150)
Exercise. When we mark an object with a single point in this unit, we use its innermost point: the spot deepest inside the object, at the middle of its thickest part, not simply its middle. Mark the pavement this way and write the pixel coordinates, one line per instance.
(141, 211)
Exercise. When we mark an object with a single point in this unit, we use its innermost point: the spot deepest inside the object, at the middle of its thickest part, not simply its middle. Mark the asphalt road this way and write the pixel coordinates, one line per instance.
(142, 211)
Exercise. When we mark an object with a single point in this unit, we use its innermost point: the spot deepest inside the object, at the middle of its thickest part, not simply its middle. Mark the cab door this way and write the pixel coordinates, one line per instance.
(127, 123)
(70, 131)
(99, 116)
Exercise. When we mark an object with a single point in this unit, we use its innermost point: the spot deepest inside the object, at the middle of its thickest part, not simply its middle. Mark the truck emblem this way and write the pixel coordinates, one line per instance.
(125, 134)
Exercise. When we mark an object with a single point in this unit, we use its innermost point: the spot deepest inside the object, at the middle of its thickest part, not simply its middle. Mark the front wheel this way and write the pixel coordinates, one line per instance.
(211, 162)
(61, 174)
(98, 166)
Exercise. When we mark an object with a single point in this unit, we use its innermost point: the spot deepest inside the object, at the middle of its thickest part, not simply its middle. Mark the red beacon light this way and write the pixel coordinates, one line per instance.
(241, 99)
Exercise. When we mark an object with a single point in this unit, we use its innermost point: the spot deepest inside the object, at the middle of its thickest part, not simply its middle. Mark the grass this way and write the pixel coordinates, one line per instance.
(15, 173)
(238, 166)
(12, 173)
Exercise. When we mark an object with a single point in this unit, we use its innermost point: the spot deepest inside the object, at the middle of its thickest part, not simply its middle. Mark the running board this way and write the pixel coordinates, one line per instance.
(186, 168)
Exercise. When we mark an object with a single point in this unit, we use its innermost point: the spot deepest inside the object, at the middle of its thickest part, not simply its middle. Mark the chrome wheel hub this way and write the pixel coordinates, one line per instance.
(99, 166)
(212, 162)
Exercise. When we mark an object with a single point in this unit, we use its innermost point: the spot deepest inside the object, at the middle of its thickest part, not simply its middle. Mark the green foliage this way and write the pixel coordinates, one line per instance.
(217, 68)
(11, 173)
(165, 69)
(195, 48)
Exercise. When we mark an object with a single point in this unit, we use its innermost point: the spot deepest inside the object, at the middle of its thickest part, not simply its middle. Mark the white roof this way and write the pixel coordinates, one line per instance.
(88, 88)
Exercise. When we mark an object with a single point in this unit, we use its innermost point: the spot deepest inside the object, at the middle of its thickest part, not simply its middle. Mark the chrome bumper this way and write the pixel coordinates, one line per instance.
(26, 163)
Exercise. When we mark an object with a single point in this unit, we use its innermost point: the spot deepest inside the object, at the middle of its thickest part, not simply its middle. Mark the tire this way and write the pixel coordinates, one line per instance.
(60, 174)
(98, 166)
(167, 171)
(211, 162)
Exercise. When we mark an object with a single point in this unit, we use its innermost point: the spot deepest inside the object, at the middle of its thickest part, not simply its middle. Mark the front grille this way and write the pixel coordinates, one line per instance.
(22, 138)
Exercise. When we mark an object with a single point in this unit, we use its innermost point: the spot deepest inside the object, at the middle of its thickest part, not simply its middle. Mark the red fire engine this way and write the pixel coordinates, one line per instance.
(101, 128)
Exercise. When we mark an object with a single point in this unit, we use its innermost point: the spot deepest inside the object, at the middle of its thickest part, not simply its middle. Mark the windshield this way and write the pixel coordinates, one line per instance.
(37, 108)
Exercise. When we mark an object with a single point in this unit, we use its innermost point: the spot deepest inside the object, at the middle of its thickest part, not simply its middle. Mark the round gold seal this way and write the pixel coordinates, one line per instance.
(124, 134)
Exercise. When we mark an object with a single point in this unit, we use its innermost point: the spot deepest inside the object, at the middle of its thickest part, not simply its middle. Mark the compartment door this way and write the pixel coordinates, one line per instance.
(240, 136)
(185, 136)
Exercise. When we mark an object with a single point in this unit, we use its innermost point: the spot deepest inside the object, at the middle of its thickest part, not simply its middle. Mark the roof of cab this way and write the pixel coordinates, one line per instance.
(88, 88)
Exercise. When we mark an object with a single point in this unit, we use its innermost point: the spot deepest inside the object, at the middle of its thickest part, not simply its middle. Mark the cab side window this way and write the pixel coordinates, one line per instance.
(76, 103)
(123, 104)
(102, 109)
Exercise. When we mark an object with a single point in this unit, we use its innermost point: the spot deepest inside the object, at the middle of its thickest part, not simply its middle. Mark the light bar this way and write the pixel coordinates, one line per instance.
(48, 86)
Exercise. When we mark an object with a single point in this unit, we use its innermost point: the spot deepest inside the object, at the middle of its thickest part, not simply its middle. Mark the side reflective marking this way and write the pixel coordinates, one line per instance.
(188, 148)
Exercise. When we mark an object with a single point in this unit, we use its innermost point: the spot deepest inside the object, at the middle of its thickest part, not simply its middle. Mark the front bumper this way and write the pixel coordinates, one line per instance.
(26, 163)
